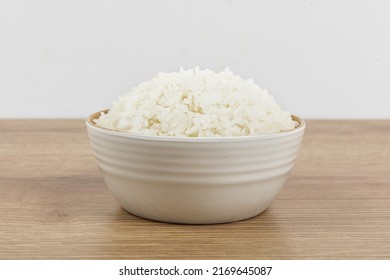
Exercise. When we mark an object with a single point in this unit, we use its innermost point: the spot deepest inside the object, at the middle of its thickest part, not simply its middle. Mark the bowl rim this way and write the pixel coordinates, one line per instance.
(90, 124)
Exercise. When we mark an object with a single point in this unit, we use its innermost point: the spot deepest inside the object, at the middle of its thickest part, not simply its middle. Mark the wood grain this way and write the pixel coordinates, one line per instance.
(54, 204)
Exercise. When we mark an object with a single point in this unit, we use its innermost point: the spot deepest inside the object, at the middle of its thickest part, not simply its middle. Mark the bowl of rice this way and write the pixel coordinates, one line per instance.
(195, 147)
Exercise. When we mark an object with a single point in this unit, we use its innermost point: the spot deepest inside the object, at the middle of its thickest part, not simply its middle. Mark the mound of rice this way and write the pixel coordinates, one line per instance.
(197, 103)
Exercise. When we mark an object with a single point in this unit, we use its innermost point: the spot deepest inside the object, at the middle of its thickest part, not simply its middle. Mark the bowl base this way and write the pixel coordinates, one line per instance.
(182, 222)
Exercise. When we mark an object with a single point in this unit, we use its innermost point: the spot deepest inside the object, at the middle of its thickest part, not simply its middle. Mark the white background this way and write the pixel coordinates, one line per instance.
(320, 59)
(109, 269)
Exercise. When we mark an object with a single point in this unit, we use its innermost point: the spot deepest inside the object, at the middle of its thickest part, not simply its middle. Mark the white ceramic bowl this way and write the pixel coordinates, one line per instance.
(194, 180)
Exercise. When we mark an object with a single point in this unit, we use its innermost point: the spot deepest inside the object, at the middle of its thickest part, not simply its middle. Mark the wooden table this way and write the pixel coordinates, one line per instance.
(54, 204)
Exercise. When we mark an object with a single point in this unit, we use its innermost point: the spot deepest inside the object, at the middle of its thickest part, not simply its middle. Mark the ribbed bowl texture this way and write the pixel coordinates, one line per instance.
(194, 180)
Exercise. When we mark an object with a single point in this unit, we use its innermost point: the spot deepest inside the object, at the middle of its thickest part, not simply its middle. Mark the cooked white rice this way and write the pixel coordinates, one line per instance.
(197, 103)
